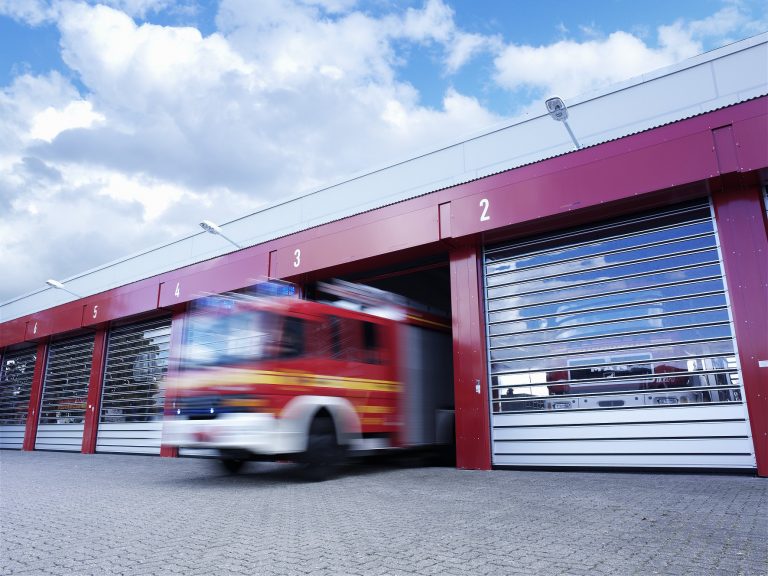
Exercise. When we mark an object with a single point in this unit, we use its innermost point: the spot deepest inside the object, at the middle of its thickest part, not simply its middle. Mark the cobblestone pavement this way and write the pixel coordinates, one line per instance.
(137, 515)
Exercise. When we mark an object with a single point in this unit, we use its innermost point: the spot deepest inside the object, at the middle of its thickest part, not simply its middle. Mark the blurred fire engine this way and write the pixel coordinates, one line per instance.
(268, 377)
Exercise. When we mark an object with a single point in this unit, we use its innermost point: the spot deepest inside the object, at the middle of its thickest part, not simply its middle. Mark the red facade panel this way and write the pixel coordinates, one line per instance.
(592, 183)
(67, 317)
(725, 148)
(371, 239)
(13, 331)
(37, 328)
(119, 303)
(444, 212)
(741, 224)
(229, 272)
(750, 136)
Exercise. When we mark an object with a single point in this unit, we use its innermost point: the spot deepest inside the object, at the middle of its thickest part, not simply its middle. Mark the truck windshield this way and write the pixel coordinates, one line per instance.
(221, 339)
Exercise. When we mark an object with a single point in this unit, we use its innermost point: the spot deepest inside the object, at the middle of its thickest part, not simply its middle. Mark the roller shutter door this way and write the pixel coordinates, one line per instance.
(65, 392)
(131, 410)
(612, 346)
(16, 373)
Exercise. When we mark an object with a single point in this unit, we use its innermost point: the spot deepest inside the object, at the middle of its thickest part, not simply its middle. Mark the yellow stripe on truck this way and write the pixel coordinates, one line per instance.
(375, 409)
(287, 379)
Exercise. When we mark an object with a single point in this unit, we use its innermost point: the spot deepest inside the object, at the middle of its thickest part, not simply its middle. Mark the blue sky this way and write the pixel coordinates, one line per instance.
(35, 48)
(123, 123)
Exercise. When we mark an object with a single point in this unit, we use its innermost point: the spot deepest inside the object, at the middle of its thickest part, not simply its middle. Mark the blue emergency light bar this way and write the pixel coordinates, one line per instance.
(213, 302)
(272, 288)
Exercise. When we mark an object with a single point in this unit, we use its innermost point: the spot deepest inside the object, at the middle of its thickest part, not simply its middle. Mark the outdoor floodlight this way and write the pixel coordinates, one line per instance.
(558, 111)
(58, 285)
(209, 226)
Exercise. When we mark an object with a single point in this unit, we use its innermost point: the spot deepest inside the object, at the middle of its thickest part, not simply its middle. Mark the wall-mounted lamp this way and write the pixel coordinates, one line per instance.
(558, 111)
(58, 285)
(209, 226)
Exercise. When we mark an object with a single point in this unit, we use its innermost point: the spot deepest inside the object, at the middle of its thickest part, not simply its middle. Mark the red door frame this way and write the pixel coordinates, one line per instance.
(95, 386)
(473, 445)
(743, 233)
(35, 396)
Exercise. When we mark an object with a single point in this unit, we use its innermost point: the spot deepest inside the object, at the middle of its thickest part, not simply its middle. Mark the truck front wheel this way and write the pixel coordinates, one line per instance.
(231, 462)
(324, 456)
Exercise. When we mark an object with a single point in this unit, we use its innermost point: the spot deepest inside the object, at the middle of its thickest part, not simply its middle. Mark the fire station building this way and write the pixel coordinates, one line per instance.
(607, 292)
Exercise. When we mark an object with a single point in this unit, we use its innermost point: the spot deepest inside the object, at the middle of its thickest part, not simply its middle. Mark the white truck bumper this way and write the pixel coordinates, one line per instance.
(258, 433)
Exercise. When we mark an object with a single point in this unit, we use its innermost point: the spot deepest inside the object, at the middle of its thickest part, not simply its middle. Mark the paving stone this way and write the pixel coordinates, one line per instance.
(63, 513)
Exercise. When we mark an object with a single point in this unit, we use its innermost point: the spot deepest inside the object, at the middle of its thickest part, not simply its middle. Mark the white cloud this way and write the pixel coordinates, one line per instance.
(51, 122)
(24, 100)
(433, 22)
(465, 46)
(569, 67)
(154, 197)
(141, 66)
(291, 42)
(731, 18)
(332, 6)
(33, 12)
(37, 12)
(139, 8)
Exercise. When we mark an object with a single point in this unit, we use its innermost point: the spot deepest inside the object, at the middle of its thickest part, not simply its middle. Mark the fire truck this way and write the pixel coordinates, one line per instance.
(268, 377)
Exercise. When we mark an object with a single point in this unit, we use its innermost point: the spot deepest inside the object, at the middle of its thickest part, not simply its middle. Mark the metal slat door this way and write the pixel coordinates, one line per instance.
(130, 417)
(612, 346)
(16, 372)
(65, 392)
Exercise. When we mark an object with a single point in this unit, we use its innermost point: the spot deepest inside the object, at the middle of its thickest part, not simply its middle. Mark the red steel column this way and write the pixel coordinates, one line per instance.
(473, 439)
(174, 357)
(95, 385)
(743, 233)
(35, 397)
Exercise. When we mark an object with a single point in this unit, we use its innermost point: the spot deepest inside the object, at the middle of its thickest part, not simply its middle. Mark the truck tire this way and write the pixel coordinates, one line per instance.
(324, 456)
(231, 463)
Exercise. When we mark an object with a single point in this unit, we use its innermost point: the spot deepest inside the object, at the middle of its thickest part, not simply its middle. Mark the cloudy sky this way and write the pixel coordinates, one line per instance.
(123, 123)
